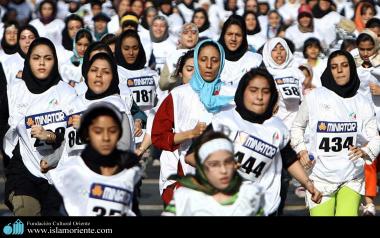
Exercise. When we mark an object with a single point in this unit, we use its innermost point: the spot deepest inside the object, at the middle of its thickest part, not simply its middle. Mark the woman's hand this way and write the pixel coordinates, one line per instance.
(198, 130)
(304, 159)
(316, 195)
(76, 121)
(374, 88)
(44, 166)
(138, 128)
(40, 133)
(356, 153)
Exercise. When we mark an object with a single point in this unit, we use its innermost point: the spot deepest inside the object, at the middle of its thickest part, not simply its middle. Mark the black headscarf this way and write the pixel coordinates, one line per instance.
(114, 86)
(35, 85)
(140, 60)
(206, 25)
(47, 20)
(234, 55)
(27, 27)
(327, 79)
(257, 28)
(97, 45)
(67, 41)
(239, 96)
(144, 21)
(9, 49)
(319, 13)
(92, 158)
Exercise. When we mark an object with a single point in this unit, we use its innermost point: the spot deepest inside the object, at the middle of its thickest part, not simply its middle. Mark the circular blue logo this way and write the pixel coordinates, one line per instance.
(7, 229)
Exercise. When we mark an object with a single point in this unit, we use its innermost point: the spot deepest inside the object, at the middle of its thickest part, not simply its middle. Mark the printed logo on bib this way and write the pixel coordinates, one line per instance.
(334, 138)
(108, 200)
(51, 121)
(289, 87)
(254, 155)
(143, 89)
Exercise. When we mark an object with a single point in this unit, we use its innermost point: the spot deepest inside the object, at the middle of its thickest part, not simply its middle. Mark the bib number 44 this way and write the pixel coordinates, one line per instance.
(250, 165)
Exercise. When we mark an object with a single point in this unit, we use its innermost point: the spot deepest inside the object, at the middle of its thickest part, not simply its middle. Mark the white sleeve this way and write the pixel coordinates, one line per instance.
(372, 149)
(299, 125)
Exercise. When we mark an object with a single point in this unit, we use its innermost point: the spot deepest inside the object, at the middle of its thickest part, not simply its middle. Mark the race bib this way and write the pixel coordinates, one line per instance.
(288, 87)
(106, 200)
(334, 138)
(51, 121)
(253, 154)
(144, 90)
(73, 138)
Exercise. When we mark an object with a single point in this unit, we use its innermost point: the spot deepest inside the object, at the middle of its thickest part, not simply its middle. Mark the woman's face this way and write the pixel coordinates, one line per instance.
(366, 50)
(137, 8)
(313, 51)
(368, 14)
(187, 70)
(189, 38)
(324, 5)
(47, 10)
(104, 134)
(124, 6)
(209, 63)
(82, 45)
(199, 19)
(130, 49)
(26, 38)
(305, 21)
(73, 27)
(99, 76)
(220, 168)
(11, 35)
(340, 69)
(257, 95)
(150, 16)
(279, 54)
(274, 19)
(233, 37)
(41, 61)
(158, 28)
(250, 22)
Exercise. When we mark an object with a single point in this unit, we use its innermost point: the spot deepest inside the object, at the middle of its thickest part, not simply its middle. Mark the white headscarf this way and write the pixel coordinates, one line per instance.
(269, 62)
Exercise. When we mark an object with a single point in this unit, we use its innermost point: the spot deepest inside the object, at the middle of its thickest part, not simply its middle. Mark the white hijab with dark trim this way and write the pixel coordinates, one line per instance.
(269, 62)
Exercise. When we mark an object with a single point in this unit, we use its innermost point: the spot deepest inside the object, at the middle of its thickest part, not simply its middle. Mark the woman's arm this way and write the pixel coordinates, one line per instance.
(297, 132)
(300, 175)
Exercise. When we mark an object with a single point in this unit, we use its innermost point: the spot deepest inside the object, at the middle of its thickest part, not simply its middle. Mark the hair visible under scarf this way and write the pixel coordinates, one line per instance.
(199, 181)
(144, 20)
(348, 90)
(35, 85)
(93, 159)
(206, 90)
(140, 59)
(237, 54)
(166, 33)
(374, 60)
(239, 96)
(269, 62)
(29, 28)
(9, 49)
(257, 28)
(47, 20)
(76, 59)
(114, 86)
(97, 45)
(67, 41)
(206, 24)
